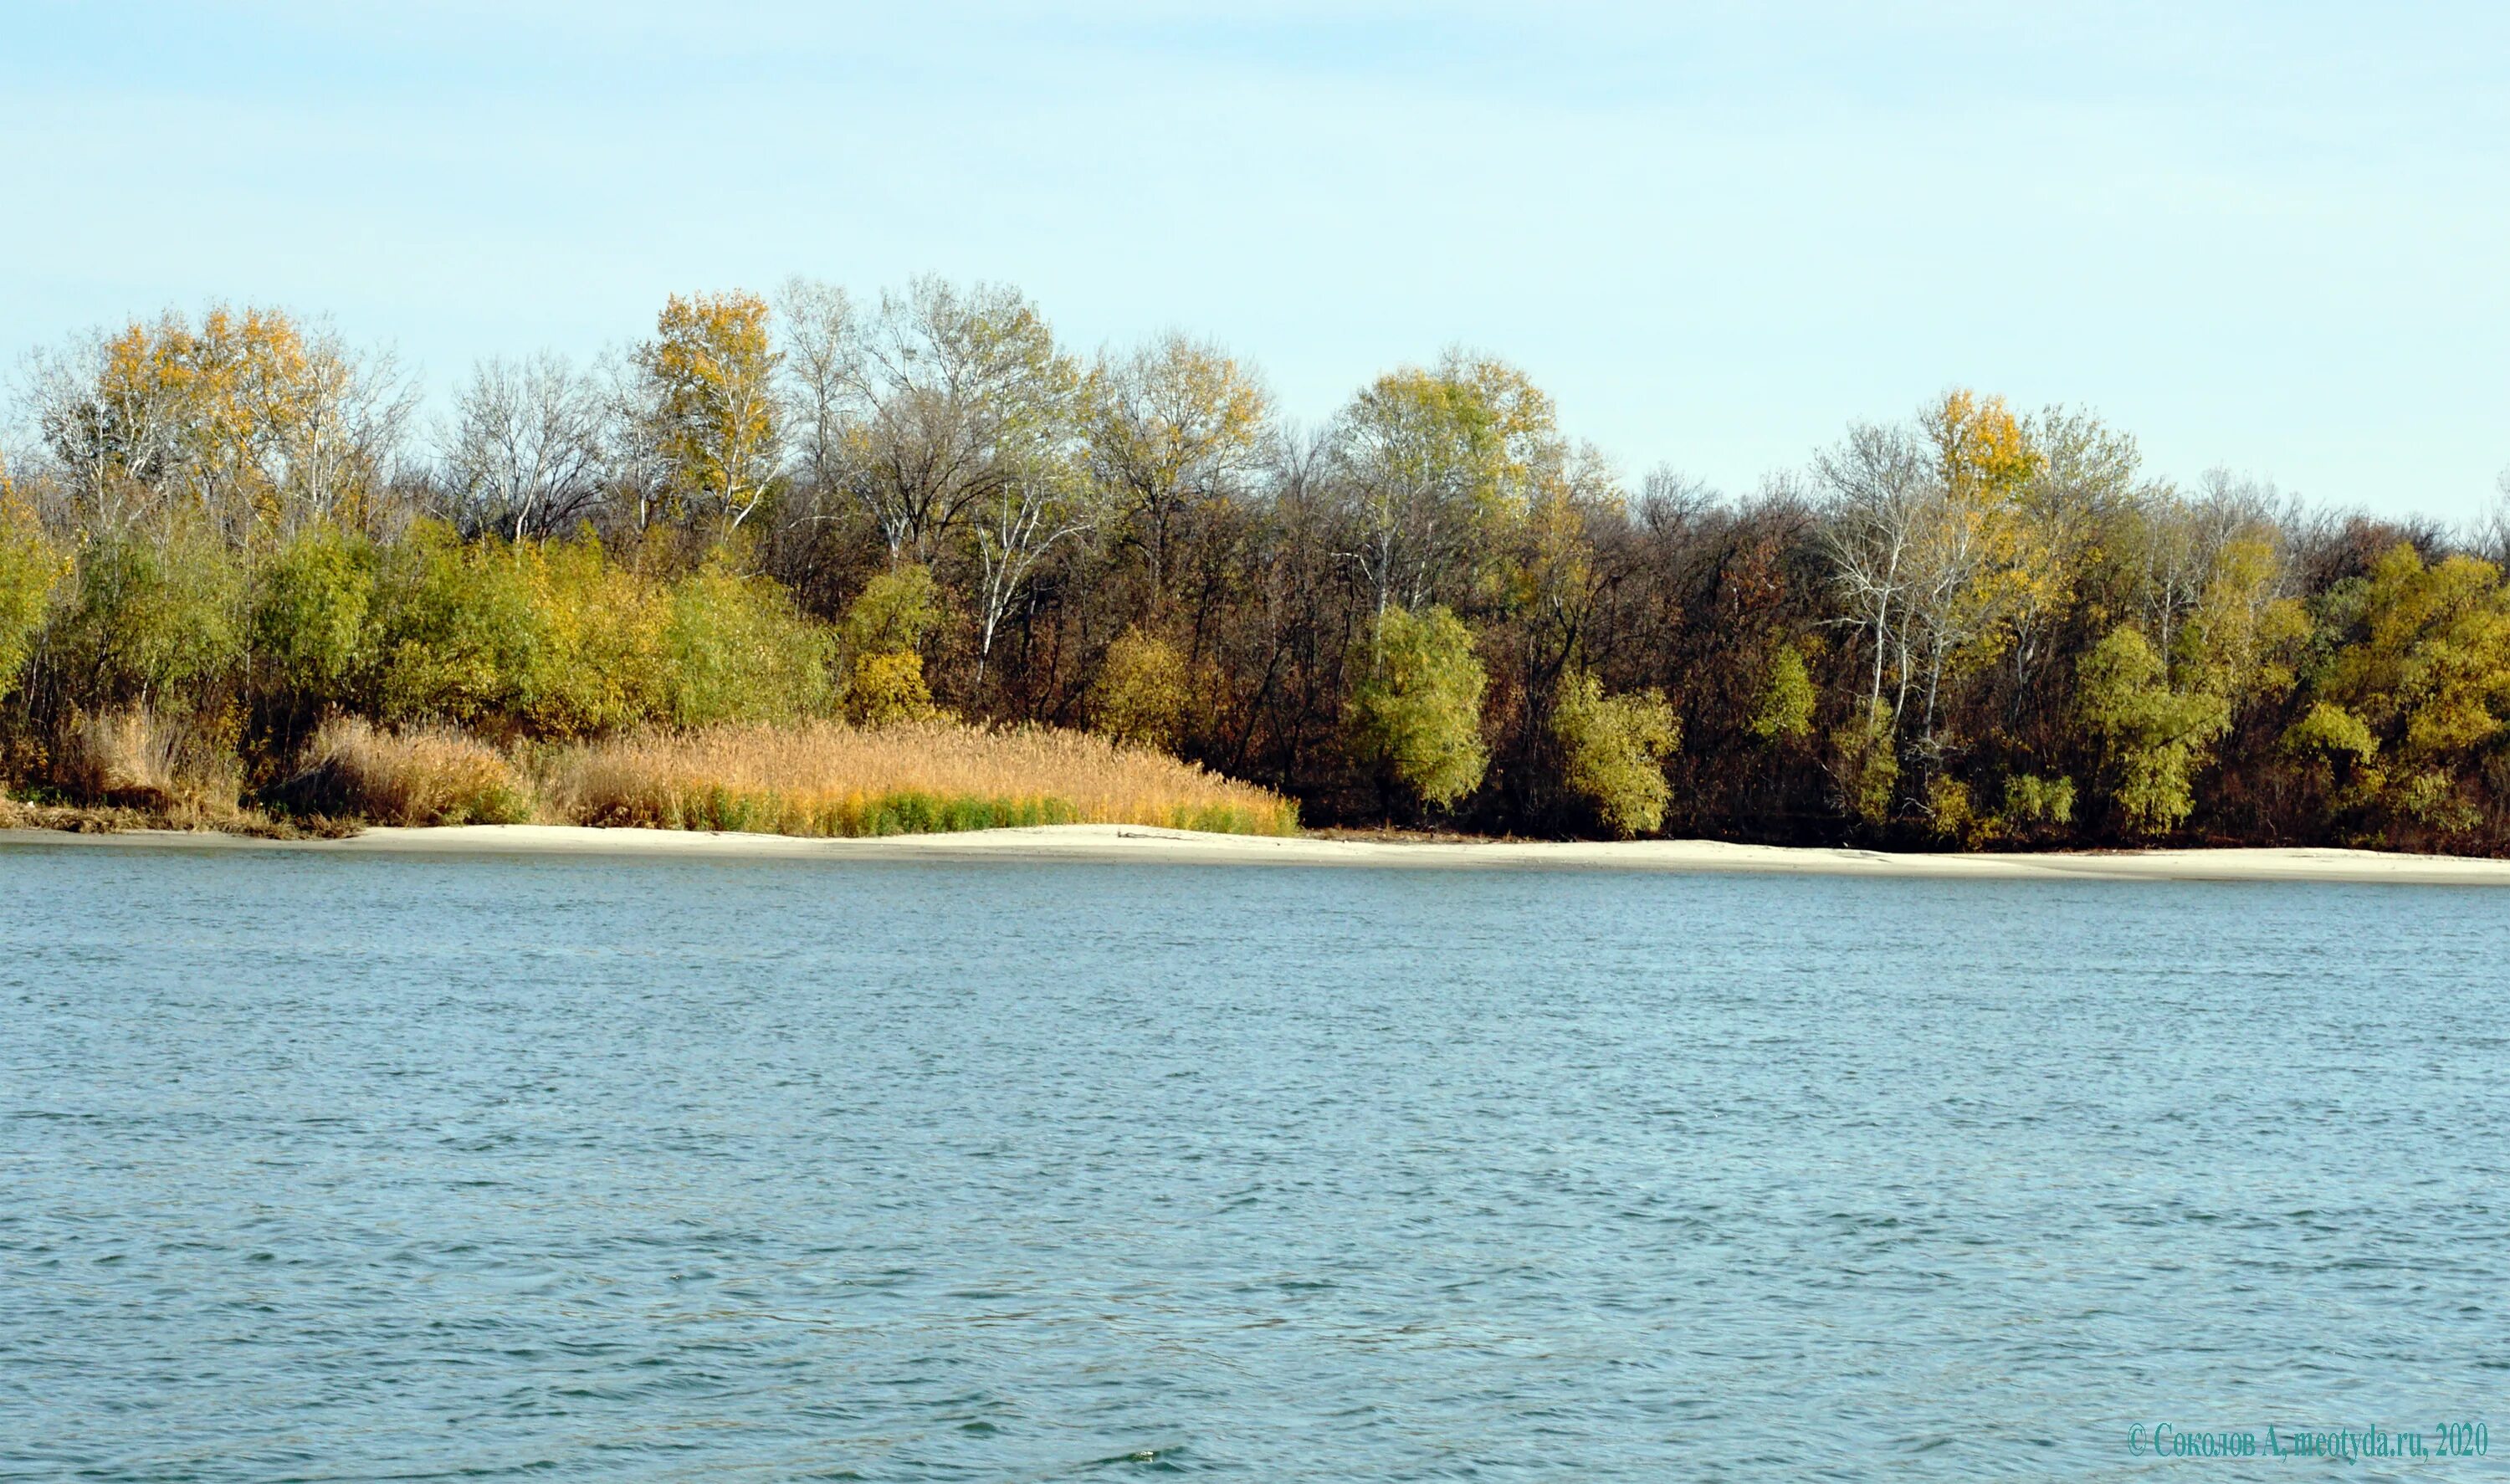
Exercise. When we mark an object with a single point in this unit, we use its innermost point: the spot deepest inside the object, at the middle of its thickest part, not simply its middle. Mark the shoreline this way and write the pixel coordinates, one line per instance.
(1143, 845)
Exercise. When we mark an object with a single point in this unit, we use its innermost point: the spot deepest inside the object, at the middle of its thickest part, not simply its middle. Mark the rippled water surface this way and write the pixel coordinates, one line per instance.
(358, 1167)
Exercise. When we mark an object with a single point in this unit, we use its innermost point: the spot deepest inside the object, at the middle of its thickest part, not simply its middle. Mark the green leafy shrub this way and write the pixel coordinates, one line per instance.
(1948, 815)
(1419, 712)
(462, 635)
(1785, 707)
(31, 569)
(2330, 731)
(735, 650)
(1141, 691)
(2031, 801)
(310, 611)
(2155, 739)
(1614, 747)
(1866, 764)
(550, 638)
(895, 611)
(151, 621)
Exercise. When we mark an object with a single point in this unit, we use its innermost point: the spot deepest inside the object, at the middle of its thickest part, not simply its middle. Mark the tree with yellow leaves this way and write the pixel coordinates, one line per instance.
(246, 419)
(2417, 689)
(1934, 545)
(710, 403)
(1433, 464)
(1175, 424)
(1975, 562)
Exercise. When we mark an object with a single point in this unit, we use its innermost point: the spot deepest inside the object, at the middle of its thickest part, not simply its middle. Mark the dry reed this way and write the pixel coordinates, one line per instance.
(416, 776)
(826, 779)
(139, 759)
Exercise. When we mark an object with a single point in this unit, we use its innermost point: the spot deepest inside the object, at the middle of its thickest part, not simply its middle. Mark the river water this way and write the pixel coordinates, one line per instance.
(329, 1167)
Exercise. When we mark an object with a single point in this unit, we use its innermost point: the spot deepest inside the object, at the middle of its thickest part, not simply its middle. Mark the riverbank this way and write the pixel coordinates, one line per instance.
(1137, 845)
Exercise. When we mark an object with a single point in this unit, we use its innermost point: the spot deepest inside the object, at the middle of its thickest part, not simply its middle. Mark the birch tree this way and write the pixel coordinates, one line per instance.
(952, 388)
(711, 396)
(1881, 498)
(1041, 501)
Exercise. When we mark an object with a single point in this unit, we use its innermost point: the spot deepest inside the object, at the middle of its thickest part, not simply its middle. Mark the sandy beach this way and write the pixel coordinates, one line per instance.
(1133, 844)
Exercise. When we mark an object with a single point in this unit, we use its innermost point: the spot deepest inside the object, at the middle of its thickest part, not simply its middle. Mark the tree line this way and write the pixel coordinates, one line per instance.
(1972, 626)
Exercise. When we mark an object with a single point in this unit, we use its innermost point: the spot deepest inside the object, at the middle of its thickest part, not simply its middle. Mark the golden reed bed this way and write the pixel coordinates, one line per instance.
(826, 778)
(820, 778)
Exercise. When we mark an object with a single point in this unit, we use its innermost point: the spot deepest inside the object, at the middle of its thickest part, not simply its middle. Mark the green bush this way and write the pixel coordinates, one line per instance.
(1614, 747)
(1419, 712)
(552, 638)
(2331, 730)
(1867, 766)
(154, 620)
(310, 612)
(2030, 800)
(2154, 739)
(893, 612)
(1141, 691)
(31, 568)
(462, 634)
(1785, 707)
(736, 650)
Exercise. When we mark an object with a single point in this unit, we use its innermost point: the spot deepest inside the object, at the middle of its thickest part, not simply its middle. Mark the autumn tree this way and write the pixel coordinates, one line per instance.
(1976, 561)
(1141, 691)
(945, 397)
(879, 640)
(2154, 739)
(2088, 479)
(1175, 424)
(1431, 464)
(1614, 749)
(2417, 684)
(247, 420)
(710, 406)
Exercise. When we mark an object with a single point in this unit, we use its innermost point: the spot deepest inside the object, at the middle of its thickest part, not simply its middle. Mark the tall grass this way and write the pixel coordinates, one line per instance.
(138, 758)
(819, 778)
(826, 779)
(416, 776)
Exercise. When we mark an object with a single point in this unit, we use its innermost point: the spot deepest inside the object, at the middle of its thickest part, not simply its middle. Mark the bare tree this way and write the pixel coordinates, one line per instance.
(2492, 535)
(822, 372)
(351, 412)
(2184, 540)
(527, 452)
(1881, 492)
(113, 440)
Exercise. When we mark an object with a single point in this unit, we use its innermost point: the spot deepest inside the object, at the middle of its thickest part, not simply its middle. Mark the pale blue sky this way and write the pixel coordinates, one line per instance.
(2272, 236)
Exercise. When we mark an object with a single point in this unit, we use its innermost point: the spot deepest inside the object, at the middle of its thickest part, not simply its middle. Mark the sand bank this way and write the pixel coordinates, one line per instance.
(1138, 845)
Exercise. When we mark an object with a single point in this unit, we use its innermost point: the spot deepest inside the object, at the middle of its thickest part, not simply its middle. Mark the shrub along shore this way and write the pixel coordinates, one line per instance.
(841, 567)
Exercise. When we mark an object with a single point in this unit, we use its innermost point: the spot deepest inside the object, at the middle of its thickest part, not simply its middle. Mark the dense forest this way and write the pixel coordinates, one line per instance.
(1972, 625)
